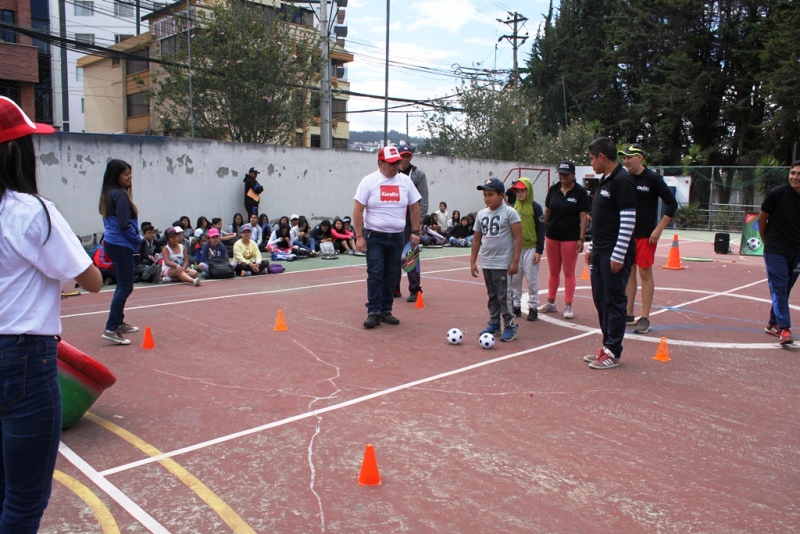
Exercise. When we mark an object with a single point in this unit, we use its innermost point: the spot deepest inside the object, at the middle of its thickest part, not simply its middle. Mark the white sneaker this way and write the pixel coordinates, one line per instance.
(548, 307)
(196, 281)
(568, 312)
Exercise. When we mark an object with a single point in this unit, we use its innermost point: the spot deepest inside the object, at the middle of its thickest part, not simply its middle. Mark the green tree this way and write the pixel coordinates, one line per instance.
(250, 76)
(781, 53)
(488, 123)
(570, 143)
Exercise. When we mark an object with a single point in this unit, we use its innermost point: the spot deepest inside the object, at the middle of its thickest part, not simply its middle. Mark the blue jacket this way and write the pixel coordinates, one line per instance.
(120, 223)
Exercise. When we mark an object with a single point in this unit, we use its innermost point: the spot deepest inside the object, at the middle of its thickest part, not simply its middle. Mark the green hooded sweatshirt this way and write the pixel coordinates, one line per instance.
(525, 210)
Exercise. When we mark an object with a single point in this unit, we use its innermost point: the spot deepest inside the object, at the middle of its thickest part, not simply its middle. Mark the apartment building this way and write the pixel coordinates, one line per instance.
(116, 88)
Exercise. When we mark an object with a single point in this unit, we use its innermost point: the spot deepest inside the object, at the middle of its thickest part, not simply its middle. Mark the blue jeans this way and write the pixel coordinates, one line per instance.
(308, 245)
(383, 257)
(608, 293)
(781, 277)
(124, 267)
(30, 423)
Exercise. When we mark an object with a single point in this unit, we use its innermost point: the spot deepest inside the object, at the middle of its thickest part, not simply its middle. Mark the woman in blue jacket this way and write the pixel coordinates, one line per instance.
(122, 239)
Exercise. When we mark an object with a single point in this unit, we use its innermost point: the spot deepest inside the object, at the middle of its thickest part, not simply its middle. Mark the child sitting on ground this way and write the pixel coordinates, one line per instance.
(247, 256)
(498, 229)
(103, 261)
(147, 267)
(428, 233)
(343, 239)
(461, 235)
(176, 259)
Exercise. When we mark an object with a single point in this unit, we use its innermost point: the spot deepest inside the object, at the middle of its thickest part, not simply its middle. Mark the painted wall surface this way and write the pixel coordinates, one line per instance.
(174, 177)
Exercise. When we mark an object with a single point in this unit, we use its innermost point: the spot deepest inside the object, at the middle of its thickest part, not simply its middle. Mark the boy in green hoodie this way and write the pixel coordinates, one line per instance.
(532, 217)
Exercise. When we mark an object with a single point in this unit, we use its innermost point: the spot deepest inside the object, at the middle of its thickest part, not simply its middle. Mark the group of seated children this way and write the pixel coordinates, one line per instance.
(187, 254)
(456, 230)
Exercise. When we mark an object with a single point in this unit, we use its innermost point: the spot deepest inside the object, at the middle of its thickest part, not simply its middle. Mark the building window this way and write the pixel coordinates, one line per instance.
(78, 74)
(119, 37)
(137, 105)
(123, 9)
(84, 8)
(87, 38)
(10, 17)
(132, 66)
(9, 89)
(44, 27)
(339, 110)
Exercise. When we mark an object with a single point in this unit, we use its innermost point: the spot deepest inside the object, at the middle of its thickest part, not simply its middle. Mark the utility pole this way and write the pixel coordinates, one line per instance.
(516, 22)
(325, 114)
(386, 84)
(62, 28)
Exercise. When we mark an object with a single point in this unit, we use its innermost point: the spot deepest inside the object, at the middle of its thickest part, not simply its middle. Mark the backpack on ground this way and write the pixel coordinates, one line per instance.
(327, 250)
(219, 267)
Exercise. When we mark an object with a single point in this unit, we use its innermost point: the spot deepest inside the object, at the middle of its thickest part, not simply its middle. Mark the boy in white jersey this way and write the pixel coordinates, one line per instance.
(498, 237)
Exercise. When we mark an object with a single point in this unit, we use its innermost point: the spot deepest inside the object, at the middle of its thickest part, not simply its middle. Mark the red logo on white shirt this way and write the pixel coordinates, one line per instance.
(390, 193)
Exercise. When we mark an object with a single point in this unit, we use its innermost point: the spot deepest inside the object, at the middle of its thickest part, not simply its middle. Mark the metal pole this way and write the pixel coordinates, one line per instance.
(138, 16)
(62, 27)
(189, 52)
(710, 198)
(325, 83)
(564, 90)
(386, 96)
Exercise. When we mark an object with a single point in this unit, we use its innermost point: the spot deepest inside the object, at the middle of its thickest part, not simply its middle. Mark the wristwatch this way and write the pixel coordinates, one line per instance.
(415, 232)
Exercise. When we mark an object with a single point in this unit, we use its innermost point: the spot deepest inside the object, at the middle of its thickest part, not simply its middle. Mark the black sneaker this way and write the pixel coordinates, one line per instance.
(412, 298)
(397, 294)
(517, 311)
(630, 320)
(533, 314)
(388, 318)
(373, 320)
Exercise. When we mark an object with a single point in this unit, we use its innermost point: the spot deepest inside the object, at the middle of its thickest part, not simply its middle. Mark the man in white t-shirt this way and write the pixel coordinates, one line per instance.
(379, 217)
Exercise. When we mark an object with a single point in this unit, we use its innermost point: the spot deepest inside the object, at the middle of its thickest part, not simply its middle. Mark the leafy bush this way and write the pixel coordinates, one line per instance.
(688, 216)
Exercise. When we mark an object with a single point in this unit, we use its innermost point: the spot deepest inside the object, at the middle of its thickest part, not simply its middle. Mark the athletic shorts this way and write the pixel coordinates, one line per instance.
(645, 252)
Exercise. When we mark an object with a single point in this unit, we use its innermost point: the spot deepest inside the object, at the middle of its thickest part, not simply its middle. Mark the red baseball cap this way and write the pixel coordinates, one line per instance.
(15, 124)
(389, 154)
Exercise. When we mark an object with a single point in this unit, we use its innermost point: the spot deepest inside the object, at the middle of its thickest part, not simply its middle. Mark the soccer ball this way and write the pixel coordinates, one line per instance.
(454, 336)
(753, 243)
(486, 341)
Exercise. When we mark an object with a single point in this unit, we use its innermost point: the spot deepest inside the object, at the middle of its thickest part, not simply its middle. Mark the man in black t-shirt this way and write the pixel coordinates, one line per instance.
(650, 186)
(779, 227)
(612, 251)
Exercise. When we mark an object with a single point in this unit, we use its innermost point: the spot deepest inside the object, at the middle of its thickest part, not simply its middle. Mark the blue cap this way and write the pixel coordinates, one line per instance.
(405, 149)
(492, 184)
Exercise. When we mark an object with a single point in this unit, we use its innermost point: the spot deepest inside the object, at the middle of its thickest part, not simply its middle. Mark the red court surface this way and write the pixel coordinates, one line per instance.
(230, 426)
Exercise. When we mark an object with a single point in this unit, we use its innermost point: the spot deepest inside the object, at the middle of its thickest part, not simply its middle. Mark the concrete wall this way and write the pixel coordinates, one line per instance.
(174, 177)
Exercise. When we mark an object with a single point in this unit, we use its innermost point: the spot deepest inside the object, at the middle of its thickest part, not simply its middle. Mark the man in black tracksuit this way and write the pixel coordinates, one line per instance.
(612, 251)
(650, 186)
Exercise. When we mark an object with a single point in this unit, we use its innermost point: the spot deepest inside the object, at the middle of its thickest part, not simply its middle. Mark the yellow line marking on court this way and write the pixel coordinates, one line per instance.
(104, 517)
(225, 512)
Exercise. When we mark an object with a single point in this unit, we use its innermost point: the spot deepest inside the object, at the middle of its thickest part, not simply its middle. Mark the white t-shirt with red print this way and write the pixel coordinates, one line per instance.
(386, 201)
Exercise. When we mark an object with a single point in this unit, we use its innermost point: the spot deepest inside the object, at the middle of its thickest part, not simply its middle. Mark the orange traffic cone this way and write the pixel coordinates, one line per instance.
(148, 342)
(585, 274)
(420, 301)
(662, 354)
(280, 324)
(674, 258)
(369, 475)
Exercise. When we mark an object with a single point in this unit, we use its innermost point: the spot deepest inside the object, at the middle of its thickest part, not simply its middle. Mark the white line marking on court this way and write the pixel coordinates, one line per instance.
(112, 491)
(238, 295)
(358, 400)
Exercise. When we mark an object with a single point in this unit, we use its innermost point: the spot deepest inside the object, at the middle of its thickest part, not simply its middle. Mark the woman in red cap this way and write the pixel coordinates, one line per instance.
(39, 252)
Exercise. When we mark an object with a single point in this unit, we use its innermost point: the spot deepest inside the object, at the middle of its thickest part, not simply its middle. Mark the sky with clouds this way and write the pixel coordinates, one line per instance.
(427, 38)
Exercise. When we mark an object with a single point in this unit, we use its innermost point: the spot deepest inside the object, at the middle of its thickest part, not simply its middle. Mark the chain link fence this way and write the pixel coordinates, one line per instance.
(720, 196)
